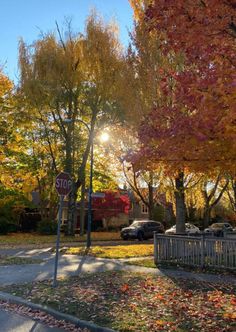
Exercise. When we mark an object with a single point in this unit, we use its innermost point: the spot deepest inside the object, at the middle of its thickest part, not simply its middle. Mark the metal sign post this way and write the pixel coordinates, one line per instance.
(63, 187)
(88, 242)
(58, 241)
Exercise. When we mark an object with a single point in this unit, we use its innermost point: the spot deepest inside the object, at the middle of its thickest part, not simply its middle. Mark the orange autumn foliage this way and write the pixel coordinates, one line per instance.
(197, 126)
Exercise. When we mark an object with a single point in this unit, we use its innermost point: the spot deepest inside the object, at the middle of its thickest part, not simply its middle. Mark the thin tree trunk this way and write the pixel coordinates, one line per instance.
(70, 229)
(234, 191)
(80, 173)
(68, 168)
(209, 201)
(206, 216)
(180, 204)
(150, 198)
(232, 196)
(82, 208)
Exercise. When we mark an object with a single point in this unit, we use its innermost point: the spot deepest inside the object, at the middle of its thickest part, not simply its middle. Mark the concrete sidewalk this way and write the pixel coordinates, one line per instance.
(14, 322)
(71, 265)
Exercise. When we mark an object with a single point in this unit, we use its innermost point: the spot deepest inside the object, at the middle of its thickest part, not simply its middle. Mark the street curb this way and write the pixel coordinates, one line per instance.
(58, 315)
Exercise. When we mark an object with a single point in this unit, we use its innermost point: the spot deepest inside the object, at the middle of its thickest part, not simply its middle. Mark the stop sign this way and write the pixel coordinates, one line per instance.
(63, 183)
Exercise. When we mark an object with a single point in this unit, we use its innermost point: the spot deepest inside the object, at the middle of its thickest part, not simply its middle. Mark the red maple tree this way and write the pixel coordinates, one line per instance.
(111, 205)
(199, 126)
(196, 128)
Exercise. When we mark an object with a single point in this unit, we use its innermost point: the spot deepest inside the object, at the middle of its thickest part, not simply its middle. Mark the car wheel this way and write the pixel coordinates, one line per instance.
(140, 236)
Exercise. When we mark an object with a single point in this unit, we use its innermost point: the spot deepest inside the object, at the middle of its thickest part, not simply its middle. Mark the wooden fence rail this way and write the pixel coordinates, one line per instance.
(196, 251)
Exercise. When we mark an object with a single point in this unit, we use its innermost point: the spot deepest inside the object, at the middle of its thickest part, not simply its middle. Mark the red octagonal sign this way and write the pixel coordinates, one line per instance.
(63, 183)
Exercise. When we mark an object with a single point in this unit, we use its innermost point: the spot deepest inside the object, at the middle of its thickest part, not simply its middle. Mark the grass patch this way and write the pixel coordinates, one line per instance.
(149, 262)
(138, 303)
(120, 251)
(146, 262)
(24, 239)
(11, 260)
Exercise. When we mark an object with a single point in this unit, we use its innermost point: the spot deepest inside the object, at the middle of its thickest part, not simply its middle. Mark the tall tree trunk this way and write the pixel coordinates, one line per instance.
(211, 199)
(82, 208)
(206, 216)
(80, 174)
(69, 148)
(68, 168)
(150, 198)
(70, 229)
(180, 204)
(234, 193)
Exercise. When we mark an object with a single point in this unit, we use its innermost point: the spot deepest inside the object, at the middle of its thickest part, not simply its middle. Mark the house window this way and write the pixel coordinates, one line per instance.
(144, 209)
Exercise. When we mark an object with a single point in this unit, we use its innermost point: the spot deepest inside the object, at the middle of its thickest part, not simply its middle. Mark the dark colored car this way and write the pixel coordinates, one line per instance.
(141, 230)
(218, 228)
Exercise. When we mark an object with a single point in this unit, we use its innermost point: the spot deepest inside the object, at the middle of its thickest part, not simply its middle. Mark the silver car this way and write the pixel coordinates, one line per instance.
(218, 228)
(190, 229)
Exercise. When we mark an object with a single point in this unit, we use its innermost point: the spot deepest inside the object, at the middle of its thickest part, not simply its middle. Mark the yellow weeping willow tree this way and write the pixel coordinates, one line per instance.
(69, 80)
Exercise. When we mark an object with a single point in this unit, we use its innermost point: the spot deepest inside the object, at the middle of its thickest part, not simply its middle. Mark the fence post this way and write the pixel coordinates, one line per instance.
(202, 251)
(155, 248)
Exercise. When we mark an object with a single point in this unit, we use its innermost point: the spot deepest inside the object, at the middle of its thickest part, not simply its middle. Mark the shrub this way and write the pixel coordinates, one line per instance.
(4, 225)
(29, 220)
(12, 227)
(12, 203)
(47, 227)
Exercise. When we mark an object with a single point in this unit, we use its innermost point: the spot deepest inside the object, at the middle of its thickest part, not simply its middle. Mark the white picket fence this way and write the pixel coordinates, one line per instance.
(196, 251)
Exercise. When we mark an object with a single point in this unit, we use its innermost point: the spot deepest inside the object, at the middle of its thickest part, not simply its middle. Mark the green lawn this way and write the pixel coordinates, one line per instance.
(10, 260)
(149, 262)
(146, 262)
(138, 303)
(24, 239)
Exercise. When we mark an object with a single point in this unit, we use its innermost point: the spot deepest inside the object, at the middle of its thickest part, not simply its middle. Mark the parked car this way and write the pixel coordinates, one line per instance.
(141, 229)
(218, 228)
(190, 229)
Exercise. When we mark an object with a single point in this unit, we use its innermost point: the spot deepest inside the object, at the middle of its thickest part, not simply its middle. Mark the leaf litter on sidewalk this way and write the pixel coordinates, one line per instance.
(40, 316)
(139, 302)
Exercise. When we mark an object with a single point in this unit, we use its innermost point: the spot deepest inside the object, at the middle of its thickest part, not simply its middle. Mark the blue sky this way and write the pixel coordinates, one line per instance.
(27, 18)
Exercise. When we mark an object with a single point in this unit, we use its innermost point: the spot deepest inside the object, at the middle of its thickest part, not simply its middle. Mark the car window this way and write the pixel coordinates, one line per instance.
(158, 224)
(216, 226)
(138, 223)
(155, 224)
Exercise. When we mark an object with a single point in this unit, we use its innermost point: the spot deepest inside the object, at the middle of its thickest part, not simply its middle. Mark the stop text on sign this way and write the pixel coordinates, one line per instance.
(63, 183)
